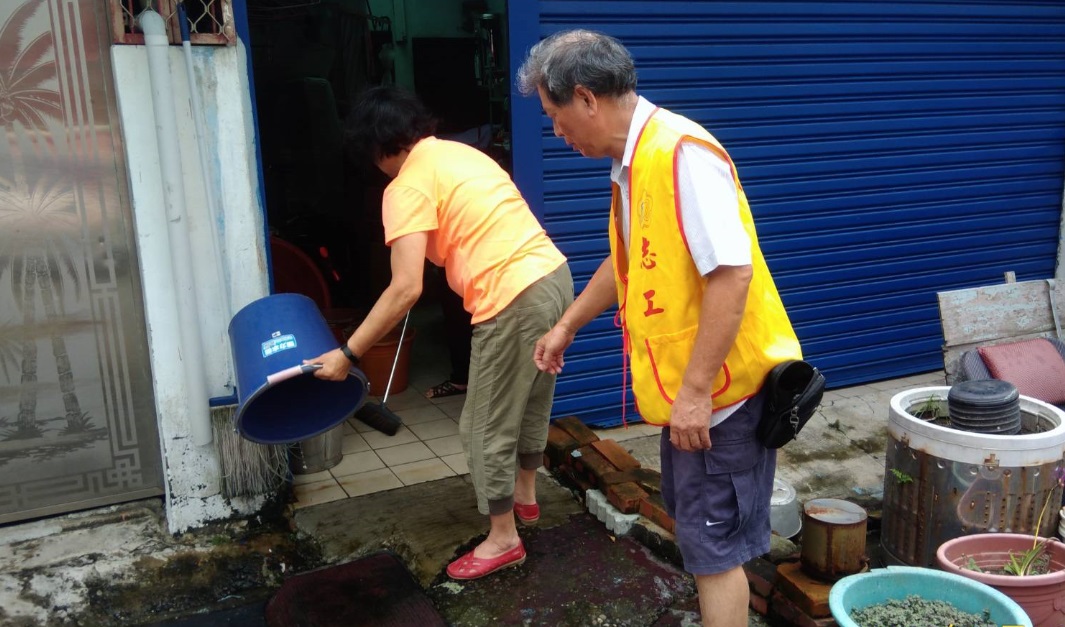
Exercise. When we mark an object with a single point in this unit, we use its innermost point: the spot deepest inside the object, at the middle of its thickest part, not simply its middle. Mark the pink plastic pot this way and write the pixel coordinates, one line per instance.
(1041, 596)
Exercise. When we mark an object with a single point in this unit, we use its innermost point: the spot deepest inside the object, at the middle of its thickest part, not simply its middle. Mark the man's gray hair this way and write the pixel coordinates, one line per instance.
(577, 57)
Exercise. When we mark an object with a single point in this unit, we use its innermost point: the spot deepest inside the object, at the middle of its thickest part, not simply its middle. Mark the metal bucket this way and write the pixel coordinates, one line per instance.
(833, 539)
(316, 454)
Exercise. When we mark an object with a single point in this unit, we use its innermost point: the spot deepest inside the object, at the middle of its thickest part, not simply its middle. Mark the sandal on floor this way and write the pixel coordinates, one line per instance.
(470, 567)
(447, 388)
(527, 514)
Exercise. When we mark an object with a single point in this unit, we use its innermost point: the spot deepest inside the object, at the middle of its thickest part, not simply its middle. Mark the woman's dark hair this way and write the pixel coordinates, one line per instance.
(385, 121)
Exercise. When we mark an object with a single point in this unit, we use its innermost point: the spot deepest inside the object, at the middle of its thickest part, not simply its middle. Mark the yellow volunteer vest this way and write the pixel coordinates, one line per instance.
(660, 290)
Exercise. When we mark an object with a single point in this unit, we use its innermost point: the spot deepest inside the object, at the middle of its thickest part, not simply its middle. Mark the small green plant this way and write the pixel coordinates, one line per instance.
(972, 565)
(901, 477)
(929, 409)
(1034, 561)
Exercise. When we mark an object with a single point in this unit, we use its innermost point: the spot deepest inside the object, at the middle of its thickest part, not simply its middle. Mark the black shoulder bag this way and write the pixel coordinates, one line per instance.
(793, 392)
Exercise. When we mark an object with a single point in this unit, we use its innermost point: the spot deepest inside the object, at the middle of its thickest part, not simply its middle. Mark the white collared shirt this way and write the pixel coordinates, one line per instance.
(709, 208)
(709, 205)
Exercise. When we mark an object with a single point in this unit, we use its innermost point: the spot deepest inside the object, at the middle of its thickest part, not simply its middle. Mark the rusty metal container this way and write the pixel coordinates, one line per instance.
(941, 483)
(833, 538)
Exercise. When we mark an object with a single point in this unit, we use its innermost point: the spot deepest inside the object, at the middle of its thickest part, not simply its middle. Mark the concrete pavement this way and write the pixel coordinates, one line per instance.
(118, 565)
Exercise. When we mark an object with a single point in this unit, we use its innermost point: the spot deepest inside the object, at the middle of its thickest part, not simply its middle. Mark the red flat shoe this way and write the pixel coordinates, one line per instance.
(470, 567)
(527, 514)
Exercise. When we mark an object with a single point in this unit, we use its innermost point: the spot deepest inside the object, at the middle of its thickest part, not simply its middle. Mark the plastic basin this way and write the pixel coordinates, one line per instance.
(898, 582)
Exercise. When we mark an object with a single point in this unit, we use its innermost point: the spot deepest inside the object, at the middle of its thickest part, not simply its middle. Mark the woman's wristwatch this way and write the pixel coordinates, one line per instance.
(350, 355)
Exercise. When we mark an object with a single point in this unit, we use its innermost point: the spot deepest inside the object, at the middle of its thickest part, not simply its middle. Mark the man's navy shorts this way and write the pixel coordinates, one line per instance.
(720, 497)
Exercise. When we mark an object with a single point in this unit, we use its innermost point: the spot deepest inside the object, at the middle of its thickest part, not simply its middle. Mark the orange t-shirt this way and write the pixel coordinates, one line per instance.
(480, 229)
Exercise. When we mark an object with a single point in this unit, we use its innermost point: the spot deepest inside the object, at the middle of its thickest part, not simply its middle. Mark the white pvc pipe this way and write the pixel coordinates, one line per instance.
(208, 189)
(190, 354)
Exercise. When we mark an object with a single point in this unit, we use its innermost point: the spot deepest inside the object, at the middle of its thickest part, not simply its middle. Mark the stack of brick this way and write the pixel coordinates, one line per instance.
(785, 594)
(579, 457)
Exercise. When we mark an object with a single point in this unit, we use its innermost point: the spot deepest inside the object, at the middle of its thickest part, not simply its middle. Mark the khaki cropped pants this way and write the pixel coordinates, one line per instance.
(508, 402)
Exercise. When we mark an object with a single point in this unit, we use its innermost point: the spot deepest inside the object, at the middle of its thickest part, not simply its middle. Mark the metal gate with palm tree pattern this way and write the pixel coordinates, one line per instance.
(77, 416)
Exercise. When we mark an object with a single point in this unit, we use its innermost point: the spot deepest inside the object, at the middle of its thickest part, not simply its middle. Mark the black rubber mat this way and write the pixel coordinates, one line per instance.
(375, 590)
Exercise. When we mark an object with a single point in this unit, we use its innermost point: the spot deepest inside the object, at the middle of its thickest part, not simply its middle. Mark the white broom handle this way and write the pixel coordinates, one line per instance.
(395, 361)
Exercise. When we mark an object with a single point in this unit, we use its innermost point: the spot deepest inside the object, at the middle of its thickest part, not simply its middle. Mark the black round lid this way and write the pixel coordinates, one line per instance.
(983, 392)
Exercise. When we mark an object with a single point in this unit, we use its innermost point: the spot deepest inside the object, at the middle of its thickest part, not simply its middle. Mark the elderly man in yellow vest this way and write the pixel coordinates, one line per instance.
(702, 322)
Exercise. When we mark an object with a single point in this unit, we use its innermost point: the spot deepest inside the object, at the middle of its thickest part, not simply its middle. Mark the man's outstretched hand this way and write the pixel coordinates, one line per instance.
(549, 352)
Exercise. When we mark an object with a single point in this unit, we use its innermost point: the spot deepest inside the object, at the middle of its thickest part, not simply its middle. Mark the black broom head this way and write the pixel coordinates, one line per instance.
(379, 417)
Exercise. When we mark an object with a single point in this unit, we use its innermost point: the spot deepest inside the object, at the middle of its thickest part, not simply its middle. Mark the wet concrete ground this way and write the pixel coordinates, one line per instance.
(576, 573)
(118, 566)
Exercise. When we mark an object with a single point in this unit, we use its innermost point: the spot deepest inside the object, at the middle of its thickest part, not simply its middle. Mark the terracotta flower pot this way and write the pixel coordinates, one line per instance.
(1041, 596)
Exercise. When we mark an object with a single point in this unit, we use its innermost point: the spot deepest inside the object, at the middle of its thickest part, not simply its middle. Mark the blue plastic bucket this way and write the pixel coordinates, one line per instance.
(280, 401)
(898, 582)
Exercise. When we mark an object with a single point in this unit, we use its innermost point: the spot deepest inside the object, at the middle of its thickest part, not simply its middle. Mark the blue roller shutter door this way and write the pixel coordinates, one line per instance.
(889, 150)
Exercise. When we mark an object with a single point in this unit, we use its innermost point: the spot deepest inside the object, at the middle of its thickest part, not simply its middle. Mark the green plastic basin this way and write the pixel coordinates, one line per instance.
(898, 582)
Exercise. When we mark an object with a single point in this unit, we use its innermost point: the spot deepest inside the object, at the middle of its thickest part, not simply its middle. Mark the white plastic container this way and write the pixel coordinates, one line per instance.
(784, 516)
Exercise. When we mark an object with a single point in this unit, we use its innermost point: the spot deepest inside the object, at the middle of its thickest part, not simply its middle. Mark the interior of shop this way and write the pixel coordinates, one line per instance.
(311, 59)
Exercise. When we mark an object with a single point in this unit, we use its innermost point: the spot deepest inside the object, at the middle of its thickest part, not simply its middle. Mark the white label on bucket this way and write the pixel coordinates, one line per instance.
(278, 344)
